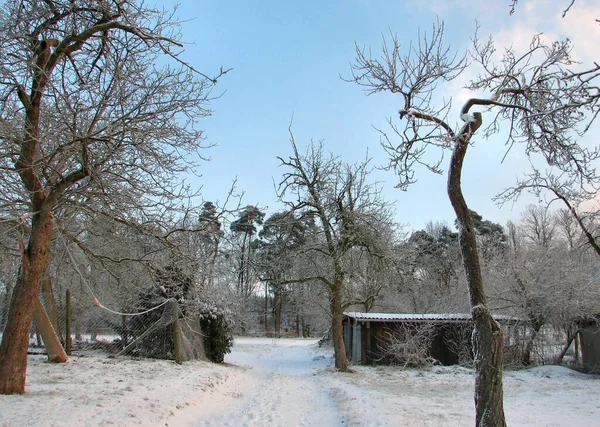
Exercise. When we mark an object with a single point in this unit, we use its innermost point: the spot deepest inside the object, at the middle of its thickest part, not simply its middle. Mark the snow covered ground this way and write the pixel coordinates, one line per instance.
(285, 382)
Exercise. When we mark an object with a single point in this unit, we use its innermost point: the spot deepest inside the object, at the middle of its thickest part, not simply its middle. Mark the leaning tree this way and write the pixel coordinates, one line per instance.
(98, 113)
(527, 95)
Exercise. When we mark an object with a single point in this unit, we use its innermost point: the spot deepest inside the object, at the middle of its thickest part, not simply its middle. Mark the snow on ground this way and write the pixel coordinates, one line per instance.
(95, 391)
(281, 384)
(286, 382)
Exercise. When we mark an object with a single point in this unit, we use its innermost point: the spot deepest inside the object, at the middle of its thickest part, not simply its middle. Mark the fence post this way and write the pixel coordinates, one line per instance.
(177, 336)
(68, 315)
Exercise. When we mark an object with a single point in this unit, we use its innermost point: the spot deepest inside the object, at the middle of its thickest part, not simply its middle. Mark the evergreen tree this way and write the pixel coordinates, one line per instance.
(249, 218)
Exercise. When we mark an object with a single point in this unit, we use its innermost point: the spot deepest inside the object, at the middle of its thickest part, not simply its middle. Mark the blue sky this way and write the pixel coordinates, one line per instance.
(288, 58)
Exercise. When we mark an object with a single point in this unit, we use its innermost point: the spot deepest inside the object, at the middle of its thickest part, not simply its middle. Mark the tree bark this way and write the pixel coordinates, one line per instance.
(55, 350)
(337, 331)
(487, 335)
(241, 277)
(50, 303)
(5, 305)
(267, 309)
(15, 341)
(213, 262)
(278, 312)
(247, 284)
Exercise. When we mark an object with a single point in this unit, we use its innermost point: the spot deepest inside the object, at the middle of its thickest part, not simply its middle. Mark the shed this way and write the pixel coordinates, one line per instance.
(366, 335)
(589, 329)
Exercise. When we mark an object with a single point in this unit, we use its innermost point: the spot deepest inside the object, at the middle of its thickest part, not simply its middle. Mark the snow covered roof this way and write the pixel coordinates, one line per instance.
(391, 317)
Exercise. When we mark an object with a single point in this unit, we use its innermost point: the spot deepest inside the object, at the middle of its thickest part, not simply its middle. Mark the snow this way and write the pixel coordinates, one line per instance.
(286, 382)
(468, 118)
(390, 317)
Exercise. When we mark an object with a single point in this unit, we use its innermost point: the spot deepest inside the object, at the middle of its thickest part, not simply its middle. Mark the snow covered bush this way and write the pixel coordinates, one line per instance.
(217, 325)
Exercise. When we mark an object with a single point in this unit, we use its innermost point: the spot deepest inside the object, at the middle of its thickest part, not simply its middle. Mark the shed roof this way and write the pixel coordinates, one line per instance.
(446, 317)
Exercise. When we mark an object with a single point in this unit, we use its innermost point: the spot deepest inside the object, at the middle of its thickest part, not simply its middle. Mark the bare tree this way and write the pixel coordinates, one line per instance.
(538, 225)
(348, 210)
(573, 189)
(567, 226)
(528, 93)
(547, 284)
(90, 120)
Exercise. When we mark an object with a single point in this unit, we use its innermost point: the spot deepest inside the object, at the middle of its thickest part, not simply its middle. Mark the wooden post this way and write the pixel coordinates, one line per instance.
(267, 332)
(177, 337)
(68, 316)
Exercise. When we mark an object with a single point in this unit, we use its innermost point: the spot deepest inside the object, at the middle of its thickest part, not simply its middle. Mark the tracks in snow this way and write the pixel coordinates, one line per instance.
(279, 385)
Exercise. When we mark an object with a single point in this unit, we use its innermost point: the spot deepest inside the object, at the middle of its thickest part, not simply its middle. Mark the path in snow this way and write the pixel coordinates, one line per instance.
(278, 384)
(290, 382)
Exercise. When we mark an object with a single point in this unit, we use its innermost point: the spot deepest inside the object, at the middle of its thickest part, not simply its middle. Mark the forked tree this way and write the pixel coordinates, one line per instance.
(527, 97)
(90, 121)
(349, 213)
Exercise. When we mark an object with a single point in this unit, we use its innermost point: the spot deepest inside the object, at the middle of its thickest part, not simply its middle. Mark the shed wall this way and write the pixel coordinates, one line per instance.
(365, 341)
(591, 347)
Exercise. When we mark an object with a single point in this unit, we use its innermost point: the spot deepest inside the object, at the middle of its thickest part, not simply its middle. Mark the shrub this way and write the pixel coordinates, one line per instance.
(217, 327)
(408, 346)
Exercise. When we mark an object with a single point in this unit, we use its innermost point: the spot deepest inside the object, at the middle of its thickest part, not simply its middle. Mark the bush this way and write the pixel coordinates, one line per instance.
(217, 327)
(409, 346)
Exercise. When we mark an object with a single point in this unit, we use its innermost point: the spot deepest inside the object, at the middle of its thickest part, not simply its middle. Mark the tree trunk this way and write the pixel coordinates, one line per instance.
(247, 282)
(5, 304)
(55, 350)
(526, 359)
(15, 341)
(50, 303)
(570, 338)
(38, 338)
(488, 340)
(337, 330)
(213, 262)
(487, 335)
(278, 312)
(241, 278)
(267, 309)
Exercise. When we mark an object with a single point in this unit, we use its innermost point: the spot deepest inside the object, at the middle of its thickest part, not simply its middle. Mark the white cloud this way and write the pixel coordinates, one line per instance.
(581, 27)
(545, 16)
(531, 17)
